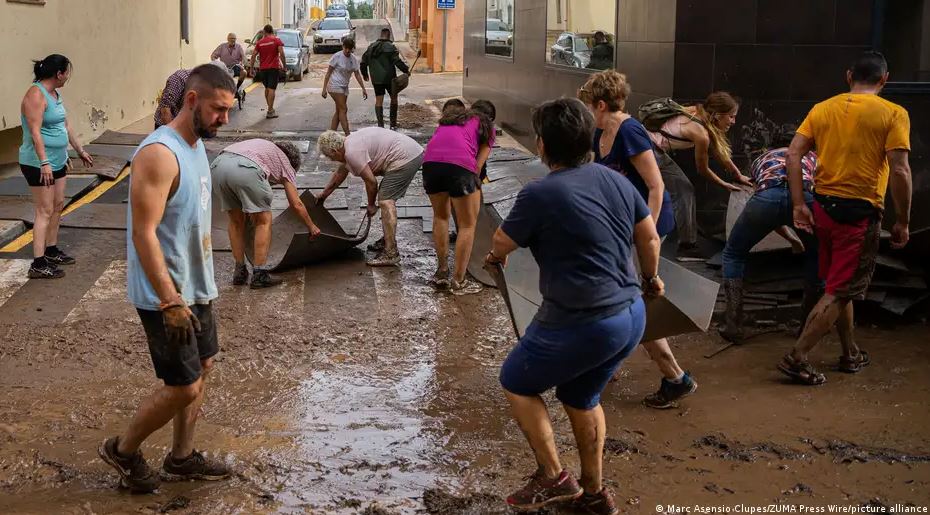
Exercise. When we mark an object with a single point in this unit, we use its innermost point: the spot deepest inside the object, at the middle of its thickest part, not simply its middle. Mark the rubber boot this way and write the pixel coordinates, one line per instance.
(812, 294)
(733, 330)
(394, 117)
(379, 113)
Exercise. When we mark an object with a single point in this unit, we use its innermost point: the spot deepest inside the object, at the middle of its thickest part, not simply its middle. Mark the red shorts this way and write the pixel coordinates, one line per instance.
(847, 253)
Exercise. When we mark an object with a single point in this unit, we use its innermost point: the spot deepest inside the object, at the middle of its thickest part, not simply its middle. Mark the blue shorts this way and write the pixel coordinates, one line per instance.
(577, 360)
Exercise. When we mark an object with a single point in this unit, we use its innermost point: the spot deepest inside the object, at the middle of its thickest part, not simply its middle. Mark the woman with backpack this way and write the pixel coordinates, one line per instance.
(452, 164)
(702, 127)
(621, 143)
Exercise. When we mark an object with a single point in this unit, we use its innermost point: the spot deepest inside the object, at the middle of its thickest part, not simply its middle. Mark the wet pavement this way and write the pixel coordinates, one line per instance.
(357, 390)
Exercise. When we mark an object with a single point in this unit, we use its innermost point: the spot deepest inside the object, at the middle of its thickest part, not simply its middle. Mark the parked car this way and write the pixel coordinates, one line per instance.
(570, 49)
(296, 52)
(498, 38)
(334, 12)
(328, 36)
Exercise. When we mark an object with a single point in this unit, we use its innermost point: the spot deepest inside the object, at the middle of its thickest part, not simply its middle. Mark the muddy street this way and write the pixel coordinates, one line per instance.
(351, 389)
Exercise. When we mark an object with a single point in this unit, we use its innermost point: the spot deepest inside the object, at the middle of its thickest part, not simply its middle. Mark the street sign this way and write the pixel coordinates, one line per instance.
(445, 4)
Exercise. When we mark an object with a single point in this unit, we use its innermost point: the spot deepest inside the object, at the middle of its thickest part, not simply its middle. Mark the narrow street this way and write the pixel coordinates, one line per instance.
(352, 389)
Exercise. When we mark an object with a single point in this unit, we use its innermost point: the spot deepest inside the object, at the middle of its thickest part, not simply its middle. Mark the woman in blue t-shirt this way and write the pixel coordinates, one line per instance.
(43, 159)
(622, 144)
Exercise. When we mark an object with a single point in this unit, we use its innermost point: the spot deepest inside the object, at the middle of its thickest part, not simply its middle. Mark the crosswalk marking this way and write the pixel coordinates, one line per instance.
(12, 276)
(106, 299)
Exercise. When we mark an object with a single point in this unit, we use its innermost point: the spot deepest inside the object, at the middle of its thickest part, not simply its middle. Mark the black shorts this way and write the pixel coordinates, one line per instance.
(180, 365)
(269, 78)
(33, 175)
(449, 178)
(381, 89)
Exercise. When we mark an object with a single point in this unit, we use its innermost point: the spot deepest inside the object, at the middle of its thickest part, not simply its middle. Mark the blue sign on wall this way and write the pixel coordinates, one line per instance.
(445, 4)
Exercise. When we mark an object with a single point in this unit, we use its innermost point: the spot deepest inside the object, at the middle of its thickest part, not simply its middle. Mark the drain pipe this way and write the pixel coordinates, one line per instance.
(185, 22)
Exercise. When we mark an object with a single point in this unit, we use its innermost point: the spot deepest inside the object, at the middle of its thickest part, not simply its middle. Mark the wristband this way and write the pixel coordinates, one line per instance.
(176, 302)
(46, 162)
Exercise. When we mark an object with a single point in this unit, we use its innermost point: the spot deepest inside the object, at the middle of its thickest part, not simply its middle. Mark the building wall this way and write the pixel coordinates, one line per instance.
(431, 38)
(780, 64)
(644, 50)
(122, 52)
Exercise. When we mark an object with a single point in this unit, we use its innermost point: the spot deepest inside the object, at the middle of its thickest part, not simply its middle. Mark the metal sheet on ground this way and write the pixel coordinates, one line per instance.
(104, 166)
(291, 246)
(110, 137)
(501, 189)
(97, 216)
(124, 152)
(530, 168)
(17, 186)
(484, 230)
(687, 306)
(17, 208)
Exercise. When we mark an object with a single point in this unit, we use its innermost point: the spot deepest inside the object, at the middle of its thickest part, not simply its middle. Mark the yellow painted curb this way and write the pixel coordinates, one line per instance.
(251, 87)
(26, 238)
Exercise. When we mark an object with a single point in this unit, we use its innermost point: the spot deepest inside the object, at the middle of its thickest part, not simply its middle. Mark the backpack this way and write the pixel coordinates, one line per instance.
(655, 113)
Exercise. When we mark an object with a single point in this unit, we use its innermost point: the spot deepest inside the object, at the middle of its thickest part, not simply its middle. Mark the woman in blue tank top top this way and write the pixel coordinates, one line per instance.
(43, 159)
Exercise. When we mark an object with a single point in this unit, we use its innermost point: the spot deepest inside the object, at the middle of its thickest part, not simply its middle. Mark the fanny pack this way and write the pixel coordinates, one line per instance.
(848, 210)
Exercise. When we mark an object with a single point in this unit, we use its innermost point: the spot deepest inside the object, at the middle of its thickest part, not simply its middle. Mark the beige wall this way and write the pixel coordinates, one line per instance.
(432, 42)
(122, 53)
(583, 16)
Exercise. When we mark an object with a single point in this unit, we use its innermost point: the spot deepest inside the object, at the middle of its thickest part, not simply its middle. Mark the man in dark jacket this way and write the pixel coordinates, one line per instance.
(382, 60)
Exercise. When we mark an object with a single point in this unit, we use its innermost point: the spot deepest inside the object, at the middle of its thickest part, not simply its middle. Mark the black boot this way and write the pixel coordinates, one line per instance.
(379, 113)
(394, 117)
(812, 294)
(733, 330)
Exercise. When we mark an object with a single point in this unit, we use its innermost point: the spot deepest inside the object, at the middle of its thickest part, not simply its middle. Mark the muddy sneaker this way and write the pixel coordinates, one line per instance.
(440, 280)
(385, 259)
(541, 492)
(601, 503)
(56, 256)
(195, 466)
(241, 275)
(263, 279)
(45, 269)
(377, 246)
(134, 473)
(466, 287)
(271, 114)
(669, 393)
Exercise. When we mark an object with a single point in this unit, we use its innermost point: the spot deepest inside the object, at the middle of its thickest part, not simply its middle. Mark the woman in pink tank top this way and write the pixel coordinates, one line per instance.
(704, 129)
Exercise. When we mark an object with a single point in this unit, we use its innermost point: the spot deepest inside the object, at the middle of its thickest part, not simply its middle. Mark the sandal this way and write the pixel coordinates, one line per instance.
(853, 364)
(801, 371)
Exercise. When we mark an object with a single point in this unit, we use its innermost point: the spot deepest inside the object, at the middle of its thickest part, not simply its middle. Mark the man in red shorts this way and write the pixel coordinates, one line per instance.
(270, 52)
(862, 142)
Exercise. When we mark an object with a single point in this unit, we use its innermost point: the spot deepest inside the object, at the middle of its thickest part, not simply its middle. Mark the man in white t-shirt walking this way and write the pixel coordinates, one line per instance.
(368, 153)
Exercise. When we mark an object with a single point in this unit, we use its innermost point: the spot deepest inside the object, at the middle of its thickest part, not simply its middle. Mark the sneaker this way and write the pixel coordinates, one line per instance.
(385, 259)
(540, 491)
(264, 279)
(45, 270)
(669, 393)
(241, 275)
(195, 466)
(466, 287)
(134, 472)
(271, 114)
(601, 503)
(58, 257)
(377, 246)
(440, 279)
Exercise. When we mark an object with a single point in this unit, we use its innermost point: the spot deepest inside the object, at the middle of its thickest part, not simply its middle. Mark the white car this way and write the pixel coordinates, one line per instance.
(330, 33)
(498, 38)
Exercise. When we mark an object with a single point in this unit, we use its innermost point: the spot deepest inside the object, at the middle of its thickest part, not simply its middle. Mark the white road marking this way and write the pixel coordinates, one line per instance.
(106, 299)
(12, 276)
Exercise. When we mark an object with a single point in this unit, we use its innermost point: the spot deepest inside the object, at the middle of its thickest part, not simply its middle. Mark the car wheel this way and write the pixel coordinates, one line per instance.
(300, 75)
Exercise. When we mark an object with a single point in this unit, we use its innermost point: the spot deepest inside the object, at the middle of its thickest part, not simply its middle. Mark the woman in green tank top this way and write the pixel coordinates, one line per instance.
(43, 159)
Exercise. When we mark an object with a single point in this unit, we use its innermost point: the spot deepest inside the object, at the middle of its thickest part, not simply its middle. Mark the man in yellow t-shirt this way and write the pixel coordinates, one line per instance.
(862, 142)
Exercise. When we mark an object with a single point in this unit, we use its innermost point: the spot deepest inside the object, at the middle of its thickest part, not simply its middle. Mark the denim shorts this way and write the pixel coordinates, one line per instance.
(577, 360)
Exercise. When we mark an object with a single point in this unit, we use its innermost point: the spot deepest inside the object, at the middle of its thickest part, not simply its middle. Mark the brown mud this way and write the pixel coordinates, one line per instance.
(358, 390)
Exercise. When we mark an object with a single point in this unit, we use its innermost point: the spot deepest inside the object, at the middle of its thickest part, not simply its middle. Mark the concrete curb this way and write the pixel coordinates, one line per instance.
(10, 230)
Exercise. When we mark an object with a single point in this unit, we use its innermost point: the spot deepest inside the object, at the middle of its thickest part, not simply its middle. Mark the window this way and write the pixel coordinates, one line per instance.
(580, 33)
(498, 31)
(902, 33)
(334, 25)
